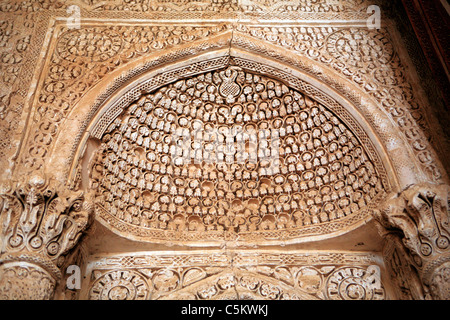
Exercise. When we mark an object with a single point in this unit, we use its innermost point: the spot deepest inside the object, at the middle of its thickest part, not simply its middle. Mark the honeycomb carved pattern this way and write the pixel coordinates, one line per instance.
(68, 80)
(365, 57)
(368, 59)
(311, 41)
(314, 171)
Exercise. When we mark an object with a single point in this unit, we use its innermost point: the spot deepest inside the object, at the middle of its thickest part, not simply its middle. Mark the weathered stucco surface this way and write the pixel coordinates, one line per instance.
(217, 150)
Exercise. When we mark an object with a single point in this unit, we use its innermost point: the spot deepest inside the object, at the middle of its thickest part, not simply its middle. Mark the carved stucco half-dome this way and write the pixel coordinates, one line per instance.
(233, 155)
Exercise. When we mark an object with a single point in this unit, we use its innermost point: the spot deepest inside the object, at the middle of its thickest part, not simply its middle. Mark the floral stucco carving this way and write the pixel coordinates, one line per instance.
(40, 223)
(103, 110)
(421, 215)
(262, 275)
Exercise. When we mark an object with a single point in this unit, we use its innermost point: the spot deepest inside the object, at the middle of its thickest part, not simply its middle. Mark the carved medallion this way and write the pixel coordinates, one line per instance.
(120, 285)
(355, 284)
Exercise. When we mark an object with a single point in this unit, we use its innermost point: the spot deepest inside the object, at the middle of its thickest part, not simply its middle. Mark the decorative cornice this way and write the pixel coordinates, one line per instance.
(258, 274)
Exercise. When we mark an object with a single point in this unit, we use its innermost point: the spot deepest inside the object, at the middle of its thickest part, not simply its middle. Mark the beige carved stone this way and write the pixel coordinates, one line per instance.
(231, 154)
(40, 223)
(402, 273)
(230, 149)
(259, 275)
(421, 213)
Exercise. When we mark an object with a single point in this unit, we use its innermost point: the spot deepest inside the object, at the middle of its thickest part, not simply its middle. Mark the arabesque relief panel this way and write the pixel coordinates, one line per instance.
(232, 275)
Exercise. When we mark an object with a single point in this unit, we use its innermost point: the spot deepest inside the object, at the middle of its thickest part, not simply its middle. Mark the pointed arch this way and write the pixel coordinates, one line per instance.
(97, 110)
(106, 100)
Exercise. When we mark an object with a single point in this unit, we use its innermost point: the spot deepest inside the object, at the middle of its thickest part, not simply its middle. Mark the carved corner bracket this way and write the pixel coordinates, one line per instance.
(420, 215)
(40, 222)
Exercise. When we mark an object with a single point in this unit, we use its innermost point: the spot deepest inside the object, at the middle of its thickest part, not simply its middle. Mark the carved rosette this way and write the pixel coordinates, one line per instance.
(355, 283)
(421, 214)
(120, 285)
(39, 224)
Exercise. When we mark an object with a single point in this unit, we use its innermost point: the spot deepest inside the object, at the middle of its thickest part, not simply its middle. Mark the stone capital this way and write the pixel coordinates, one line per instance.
(40, 222)
(420, 215)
